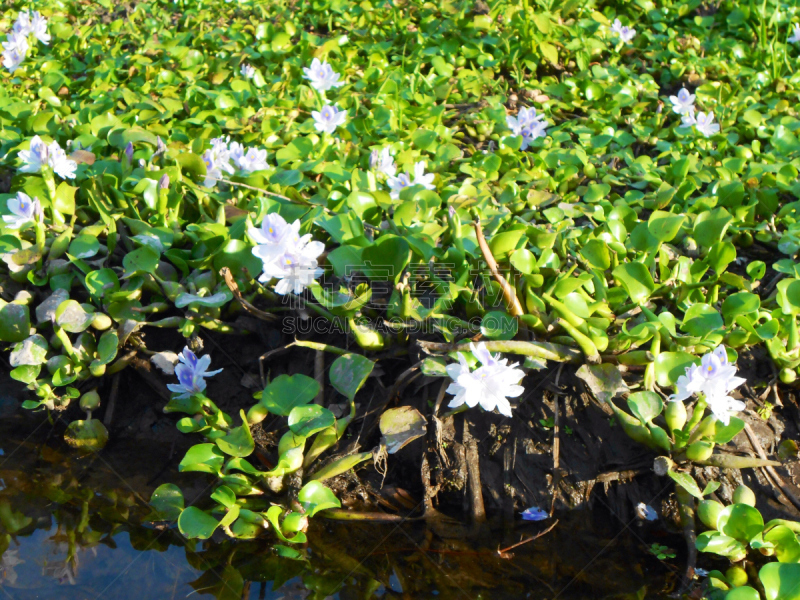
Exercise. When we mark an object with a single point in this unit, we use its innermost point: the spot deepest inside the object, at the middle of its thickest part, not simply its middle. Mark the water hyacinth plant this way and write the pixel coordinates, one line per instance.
(164, 178)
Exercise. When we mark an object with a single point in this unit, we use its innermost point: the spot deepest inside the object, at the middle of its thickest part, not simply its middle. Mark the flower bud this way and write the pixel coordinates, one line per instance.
(129, 151)
(675, 414)
(744, 495)
(708, 512)
(163, 183)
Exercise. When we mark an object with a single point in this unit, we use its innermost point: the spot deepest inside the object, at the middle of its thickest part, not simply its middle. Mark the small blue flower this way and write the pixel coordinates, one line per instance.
(191, 372)
(534, 513)
(646, 512)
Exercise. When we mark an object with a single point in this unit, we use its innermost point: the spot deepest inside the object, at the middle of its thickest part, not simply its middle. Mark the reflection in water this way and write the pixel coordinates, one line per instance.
(73, 527)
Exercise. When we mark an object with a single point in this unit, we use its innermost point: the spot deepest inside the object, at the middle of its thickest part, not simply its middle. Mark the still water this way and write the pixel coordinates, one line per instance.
(75, 527)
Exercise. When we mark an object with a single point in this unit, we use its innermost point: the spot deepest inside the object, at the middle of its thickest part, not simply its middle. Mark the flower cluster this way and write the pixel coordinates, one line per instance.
(15, 48)
(623, 32)
(328, 118)
(23, 210)
(383, 163)
(683, 104)
(191, 372)
(285, 254)
(527, 124)
(490, 385)
(225, 156)
(715, 378)
(43, 155)
(247, 71)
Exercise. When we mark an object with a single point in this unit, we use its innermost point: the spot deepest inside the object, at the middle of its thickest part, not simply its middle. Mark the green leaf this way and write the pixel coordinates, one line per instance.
(84, 246)
(781, 581)
(167, 500)
(597, 254)
(636, 280)
(787, 546)
(604, 380)
(349, 372)
(711, 225)
(65, 198)
(286, 392)
(31, 351)
(314, 496)
(88, 435)
(205, 458)
(141, 260)
(671, 365)
(701, 319)
(224, 496)
(386, 258)
(718, 543)
(73, 317)
(196, 524)
(423, 139)
(742, 593)
(401, 426)
(497, 325)
(740, 521)
(308, 420)
(740, 303)
(664, 226)
(15, 322)
(238, 441)
(340, 465)
(549, 51)
(725, 433)
(645, 406)
(721, 255)
(687, 482)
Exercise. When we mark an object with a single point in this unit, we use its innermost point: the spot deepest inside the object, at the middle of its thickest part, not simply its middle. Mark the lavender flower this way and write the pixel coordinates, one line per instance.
(248, 159)
(527, 124)
(41, 155)
(15, 48)
(191, 372)
(625, 33)
(534, 513)
(217, 160)
(383, 163)
(396, 184)
(795, 37)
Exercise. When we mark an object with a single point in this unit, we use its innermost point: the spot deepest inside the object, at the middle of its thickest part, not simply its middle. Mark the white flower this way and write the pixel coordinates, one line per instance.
(13, 58)
(383, 162)
(53, 156)
(795, 37)
(688, 119)
(625, 33)
(322, 76)
(191, 372)
(60, 162)
(247, 71)
(23, 210)
(420, 178)
(217, 160)
(683, 103)
(398, 183)
(490, 385)
(715, 378)
(252, 160)
(15, 48)
(329, 118)
(286, 256)
(704, 123)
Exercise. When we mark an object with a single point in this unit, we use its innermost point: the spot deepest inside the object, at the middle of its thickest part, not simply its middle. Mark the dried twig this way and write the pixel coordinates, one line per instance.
(474, 476)
(772, 475)
(556, 445)
(234, 288)
(514, 306)
(502, 552)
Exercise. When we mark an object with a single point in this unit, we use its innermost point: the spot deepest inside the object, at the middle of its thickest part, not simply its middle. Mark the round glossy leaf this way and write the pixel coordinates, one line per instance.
(15, 323)
(718, 543)
(523, 260)
(671, 365)
(785, 542)
(636, 280)
(315, 496)
(701, 319)
(84, 246)
(286, 392)
(742, 593)
(664, 226)
(498, 325)
(308, 420)
(711, 225)
(196, 524)
(781, 581)
(401, 426)
(88, 435)
(740, 303)
(206, 458)
(645, 406)
(238, 441)
(167, 501)
(349, 372)
(72, 317)
(141, 260)
(740, 521)
(32, 351)
(597, 254)
(102, 282)
(386, 258)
